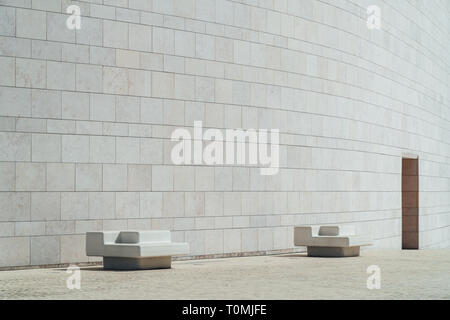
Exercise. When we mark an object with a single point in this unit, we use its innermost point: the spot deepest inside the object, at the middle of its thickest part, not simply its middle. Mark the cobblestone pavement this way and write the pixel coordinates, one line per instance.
(404, 275)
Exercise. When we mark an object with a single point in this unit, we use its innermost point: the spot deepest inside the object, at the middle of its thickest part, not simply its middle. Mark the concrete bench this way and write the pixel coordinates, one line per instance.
(134, 249)
(330, 241)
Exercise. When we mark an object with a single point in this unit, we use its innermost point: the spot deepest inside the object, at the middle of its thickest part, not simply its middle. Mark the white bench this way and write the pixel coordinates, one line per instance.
(134, 249)
(330, 241)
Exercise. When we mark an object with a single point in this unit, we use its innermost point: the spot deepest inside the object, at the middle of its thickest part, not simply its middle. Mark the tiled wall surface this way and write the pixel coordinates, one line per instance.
(86, 117)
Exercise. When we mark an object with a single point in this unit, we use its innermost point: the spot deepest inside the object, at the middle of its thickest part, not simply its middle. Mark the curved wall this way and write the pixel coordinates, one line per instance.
(86, 118)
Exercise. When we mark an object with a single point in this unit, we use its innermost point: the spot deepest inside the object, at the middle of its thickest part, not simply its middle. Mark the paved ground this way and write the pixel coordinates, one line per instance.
(404, 275)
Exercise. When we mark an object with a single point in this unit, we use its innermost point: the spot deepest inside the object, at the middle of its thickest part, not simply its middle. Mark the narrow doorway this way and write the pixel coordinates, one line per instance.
(410, 203)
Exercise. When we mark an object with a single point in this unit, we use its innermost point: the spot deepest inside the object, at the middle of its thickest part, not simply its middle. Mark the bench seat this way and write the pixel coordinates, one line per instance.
(134, 249)
(330, 241)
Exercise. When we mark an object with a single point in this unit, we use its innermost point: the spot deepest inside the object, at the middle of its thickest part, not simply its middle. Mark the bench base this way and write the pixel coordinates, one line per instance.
(333, 251)
(146, 263)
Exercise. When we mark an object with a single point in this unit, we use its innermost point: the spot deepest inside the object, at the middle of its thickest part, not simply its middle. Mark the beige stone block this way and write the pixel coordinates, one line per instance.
(15, 102)
(46, 104)
(15, 206)
(102, 149)
(74, 205)
(173, 204)
(127, 205)
(29, 229)
(115, 80)
(194, 204)
(115, 34)
(30, 176)
(151, 204)
(45, 206)
(115, 177)
(102, 205)
(88, 78)
(151, 151)
(73, 248)
(75, 148)
(214, 204)
(46, 147)
(183, 178)
(31, 24)
(14, 251)
(162, 178)
(8, 70)
(60, 177)
(139, 178)
(162, 84)
(75, 105)
(31, 73)
(7, 176)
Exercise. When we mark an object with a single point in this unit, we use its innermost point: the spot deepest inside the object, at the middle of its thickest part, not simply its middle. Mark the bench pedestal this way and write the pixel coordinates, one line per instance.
(119, 263)
(333, 251)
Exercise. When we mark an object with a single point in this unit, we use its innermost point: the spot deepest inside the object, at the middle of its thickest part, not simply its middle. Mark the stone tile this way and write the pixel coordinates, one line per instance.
(115, 80)
(30, 176)
(162, 84)
(29, 229)
(60, 177)
(7, 176)
(173, 204)
(91, 32)
(60, 76)
(184, 178)
(89, 78)
(214, 241)
(89, 177)
(46, 104)
(151, 204)
(8, 70)
(194, 204)
(31, 24)
(140, 37)
(75, 148)
(44, 250)
(151, 110)
(102, 149)
(115, 177)
(102, 107)
(163, 40)
(31, 73)
(15, 206)
(45, 206)
(115, 34)
(57, 29)
(151, 151)
(74, 205)
(127, 109)
(14, 251)
(139, 178)
(73, 248)
(232, 241)
(7, 21)
(127, 150)
(214, 204)
(102, 205)
(15, 102)
(162, 178)
(46, 147)
(127, 205)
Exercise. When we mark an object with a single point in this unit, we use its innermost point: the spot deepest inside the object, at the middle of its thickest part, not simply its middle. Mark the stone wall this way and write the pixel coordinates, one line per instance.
(86, 118)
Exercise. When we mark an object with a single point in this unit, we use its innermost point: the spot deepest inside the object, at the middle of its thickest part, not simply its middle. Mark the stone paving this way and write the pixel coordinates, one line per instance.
(404, 275)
